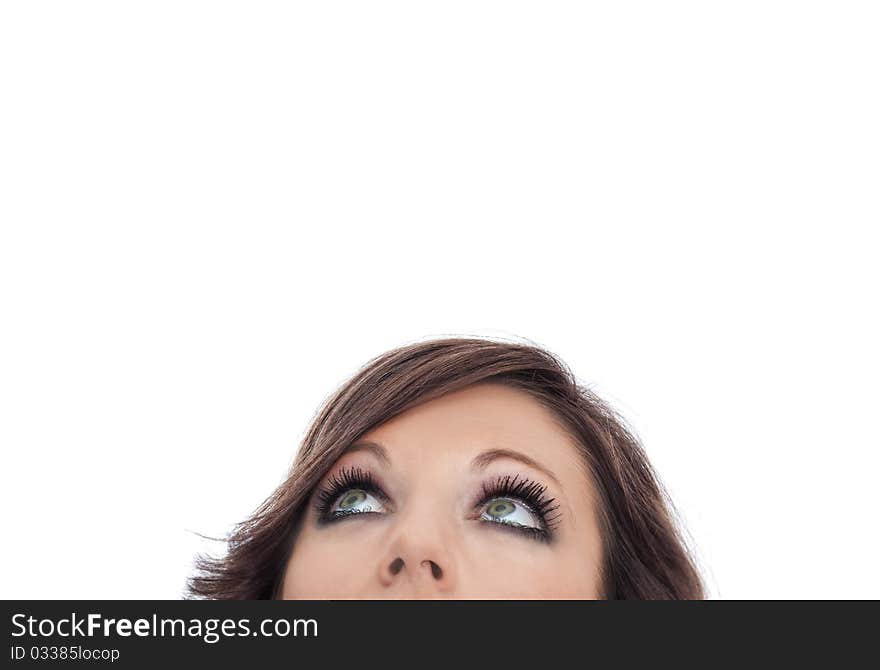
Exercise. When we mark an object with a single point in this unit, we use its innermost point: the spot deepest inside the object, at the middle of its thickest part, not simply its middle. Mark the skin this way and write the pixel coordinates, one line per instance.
(428, 540)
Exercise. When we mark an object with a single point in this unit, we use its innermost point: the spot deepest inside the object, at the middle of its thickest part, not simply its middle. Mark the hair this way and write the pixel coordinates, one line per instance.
(644, 555)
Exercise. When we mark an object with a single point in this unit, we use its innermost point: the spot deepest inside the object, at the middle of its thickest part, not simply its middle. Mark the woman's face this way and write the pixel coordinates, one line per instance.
(478, 494)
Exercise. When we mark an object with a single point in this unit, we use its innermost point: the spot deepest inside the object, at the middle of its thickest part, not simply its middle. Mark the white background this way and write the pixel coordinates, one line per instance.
(213, 213)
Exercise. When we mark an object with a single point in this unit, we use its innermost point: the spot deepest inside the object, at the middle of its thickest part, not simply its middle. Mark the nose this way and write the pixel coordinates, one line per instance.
(399, 564)
(426, 571)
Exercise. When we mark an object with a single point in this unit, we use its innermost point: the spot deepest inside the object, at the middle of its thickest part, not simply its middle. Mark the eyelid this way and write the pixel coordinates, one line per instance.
(538, 533)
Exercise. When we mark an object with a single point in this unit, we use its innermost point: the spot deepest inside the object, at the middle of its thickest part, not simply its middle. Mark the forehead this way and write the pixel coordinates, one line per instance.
(483, 416)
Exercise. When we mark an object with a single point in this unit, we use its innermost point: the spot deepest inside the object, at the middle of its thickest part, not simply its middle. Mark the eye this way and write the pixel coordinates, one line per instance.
(511, 512)
(518, 504)
(355, 501)
(350, 491)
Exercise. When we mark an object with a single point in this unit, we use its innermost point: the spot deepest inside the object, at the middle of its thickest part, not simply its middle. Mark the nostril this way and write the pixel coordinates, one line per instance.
(396, 566)
(436, 570)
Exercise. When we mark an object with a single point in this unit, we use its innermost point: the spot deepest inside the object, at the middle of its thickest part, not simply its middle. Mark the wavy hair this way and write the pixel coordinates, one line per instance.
(644, 554)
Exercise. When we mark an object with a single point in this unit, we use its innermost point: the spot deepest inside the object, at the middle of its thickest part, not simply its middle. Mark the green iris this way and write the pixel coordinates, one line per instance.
(353, 498)
(501, 508)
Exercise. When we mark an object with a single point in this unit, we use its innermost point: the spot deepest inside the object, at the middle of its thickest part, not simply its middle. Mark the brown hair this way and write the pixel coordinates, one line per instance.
(644, 555)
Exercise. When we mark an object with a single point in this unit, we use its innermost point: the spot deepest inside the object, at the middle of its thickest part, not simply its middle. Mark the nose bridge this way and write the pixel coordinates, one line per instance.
(421, 552)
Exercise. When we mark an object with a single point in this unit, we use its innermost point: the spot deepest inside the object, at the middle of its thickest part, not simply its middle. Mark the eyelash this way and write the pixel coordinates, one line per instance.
(345, 480)
(530, 493)
(525, 491)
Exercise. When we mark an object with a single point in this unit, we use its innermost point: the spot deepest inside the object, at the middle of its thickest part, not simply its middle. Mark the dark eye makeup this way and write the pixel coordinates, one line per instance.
(533, 496)
(347, 479)
(504, 491)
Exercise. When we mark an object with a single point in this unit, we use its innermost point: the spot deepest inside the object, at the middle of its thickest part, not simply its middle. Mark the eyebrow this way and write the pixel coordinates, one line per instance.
(487, 457)
(480, 462)
(373, 448)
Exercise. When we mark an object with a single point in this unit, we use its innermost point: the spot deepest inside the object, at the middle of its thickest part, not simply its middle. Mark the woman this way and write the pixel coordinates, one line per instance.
(461, 468)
